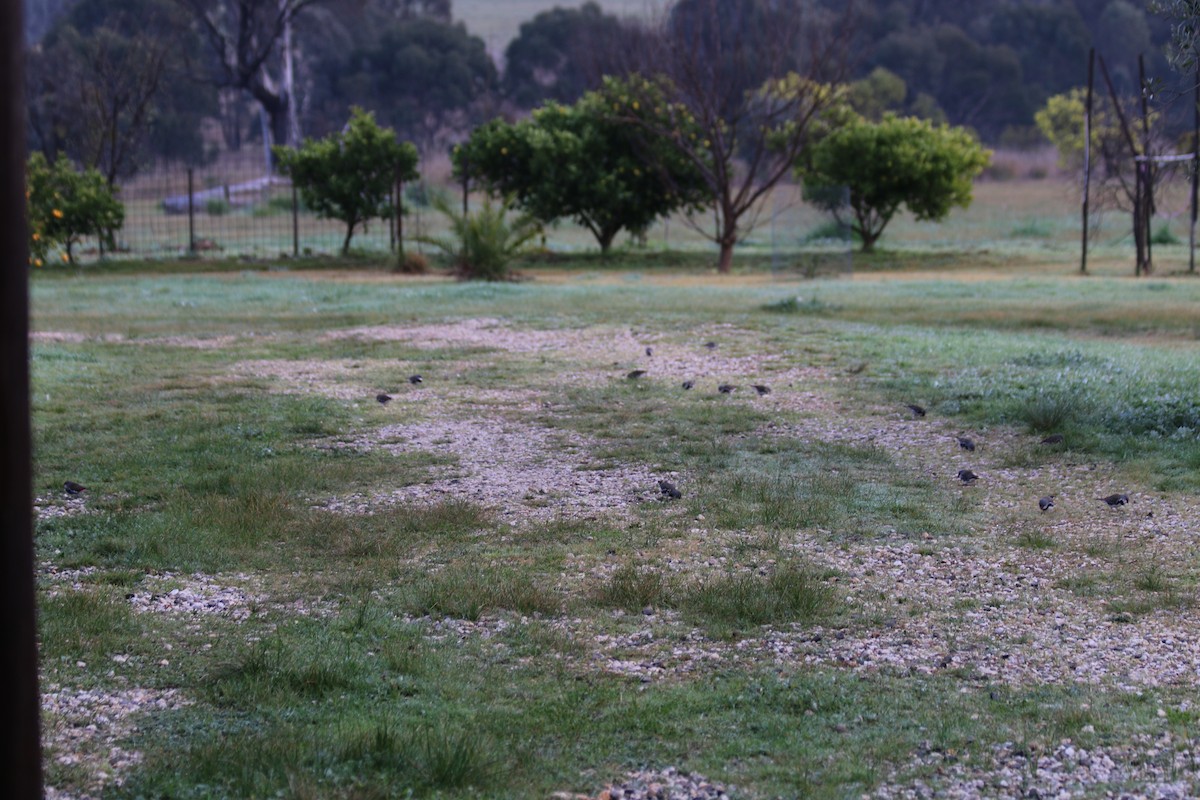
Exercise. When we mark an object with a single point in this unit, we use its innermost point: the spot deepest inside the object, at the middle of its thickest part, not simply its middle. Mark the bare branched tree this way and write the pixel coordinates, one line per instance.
(750, 77)
(244, 39)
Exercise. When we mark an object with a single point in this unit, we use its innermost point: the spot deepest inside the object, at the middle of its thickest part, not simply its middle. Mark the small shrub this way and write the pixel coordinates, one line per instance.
(1164, 236)
(64, 205)
(831, 231)
(485, 243)
(217, 207)
(1048, 412)
(1032, 229)
(411, 263)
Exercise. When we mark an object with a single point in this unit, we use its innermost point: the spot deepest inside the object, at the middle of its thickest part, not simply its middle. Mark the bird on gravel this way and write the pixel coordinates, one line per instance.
(758, 387)
(916, 409)
(688, 384)
(726, 388)
(966, 443)
(967, 476)
(73, 488)
(711, 345)
(383, 399)
(1046, 503)
(649, 351)
(1115, 500)
(415, 379)
(637, 373)
(669, 490)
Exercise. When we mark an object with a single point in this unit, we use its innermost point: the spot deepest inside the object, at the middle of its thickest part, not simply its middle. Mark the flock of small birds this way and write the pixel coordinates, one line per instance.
(670, 491)
(970, 477)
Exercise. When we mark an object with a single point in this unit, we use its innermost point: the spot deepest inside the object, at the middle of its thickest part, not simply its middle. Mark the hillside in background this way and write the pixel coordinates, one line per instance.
(434, 69)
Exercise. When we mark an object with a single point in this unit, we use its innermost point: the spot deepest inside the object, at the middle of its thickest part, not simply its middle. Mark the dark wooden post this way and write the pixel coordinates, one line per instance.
(400, 217)
(1087, 156)
(1195, 171)
(295, 222)
(191, 216)
(1148, 178)
(1128, 134)
(22, 764)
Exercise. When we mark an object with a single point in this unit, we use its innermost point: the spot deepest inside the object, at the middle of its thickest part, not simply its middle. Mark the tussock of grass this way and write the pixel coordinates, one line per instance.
(269, 672)
(467, 592)
(1036, 539)
(83, 625)
(785, 501)
(798, 305)
(631, 588)
(791, 594)
(428, 758)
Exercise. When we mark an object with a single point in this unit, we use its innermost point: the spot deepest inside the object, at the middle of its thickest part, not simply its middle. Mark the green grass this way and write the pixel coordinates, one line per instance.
(450, 650)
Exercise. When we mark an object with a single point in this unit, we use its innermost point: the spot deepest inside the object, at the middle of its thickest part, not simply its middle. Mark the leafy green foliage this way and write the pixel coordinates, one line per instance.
(420, 76)
(898, 161)
(64, 205)
(552, 55)
(579, 162)
(484, 244)
(349, 176)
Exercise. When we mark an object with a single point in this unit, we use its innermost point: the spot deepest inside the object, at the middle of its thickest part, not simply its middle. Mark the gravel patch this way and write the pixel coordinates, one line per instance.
(197, 594)
(82, 727)
(1163, 767)
(522, 472)
(666, 783)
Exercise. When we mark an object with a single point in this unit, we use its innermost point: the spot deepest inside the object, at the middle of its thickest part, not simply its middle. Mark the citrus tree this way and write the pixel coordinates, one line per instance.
(349, 175)
(64, 205)
(881, 166)
(580, 163)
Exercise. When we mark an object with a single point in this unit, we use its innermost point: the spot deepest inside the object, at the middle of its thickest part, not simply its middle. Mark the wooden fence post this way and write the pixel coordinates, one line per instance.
(21, 766)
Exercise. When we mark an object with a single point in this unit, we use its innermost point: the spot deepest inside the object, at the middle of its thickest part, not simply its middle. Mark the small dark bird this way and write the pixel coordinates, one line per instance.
(649, 351)
(1054, 438)
(916, 409)
(1115, 500)
(688, 384)
(711, 345)
(73, 488)
(967, 476)
(726, 388)
(637, 373)
(415, 379)
(966, 443)
(669, 490)
(383, 399)
(1046, 503)
(758, 387)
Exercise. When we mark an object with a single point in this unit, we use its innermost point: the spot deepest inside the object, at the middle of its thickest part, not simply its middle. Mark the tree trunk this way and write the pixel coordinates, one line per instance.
(276, 105)
(729, 238)
(349, 236)
(725, 260)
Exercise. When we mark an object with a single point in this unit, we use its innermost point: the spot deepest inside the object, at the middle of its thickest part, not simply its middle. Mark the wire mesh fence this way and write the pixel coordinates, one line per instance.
(185, 211)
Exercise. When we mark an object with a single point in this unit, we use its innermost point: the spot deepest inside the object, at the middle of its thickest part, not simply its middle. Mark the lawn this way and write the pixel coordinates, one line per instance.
(276, 586)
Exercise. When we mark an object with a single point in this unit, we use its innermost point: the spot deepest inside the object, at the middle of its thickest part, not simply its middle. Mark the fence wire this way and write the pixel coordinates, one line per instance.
(179, 212)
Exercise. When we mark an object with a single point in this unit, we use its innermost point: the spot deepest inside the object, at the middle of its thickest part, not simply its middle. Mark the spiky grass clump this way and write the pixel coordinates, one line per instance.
(467, 592)
(791, 594)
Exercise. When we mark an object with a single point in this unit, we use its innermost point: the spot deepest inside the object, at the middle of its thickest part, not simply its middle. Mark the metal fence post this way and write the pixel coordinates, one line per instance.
(400, 216)
(295, 222)
(191, 216)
